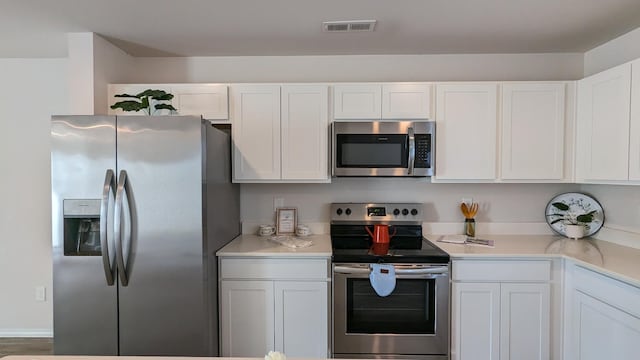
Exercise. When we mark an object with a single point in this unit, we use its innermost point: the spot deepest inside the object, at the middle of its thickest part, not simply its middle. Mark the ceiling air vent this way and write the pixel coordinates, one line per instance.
(348, 26)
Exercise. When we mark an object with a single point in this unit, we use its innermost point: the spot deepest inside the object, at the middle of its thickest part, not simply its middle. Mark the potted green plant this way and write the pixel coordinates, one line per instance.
(574, 222)
(148, 101)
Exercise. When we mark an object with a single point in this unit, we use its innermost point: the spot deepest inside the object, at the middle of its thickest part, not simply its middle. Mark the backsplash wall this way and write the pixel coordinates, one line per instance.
(499, 203)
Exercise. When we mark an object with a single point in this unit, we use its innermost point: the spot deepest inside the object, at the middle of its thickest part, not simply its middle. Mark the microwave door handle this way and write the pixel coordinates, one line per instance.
(412, 151)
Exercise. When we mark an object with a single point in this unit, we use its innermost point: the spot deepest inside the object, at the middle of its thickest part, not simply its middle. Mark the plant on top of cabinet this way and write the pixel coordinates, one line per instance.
(149, 100)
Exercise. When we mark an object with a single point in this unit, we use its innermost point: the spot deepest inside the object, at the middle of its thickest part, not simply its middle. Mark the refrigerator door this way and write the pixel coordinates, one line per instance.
(85, 307)
(163, 308)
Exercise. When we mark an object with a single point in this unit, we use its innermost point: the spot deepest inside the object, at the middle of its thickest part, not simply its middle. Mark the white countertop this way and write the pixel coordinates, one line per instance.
(248, 245)
(614, 260)
(617, 261)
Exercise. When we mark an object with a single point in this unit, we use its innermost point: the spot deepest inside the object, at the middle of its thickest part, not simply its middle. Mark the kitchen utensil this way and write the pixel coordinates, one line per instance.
(380, 233)
(473, 210)
(465, 210)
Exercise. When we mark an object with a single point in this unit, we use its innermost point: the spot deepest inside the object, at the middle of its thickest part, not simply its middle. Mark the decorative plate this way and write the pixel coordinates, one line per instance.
(571, 207)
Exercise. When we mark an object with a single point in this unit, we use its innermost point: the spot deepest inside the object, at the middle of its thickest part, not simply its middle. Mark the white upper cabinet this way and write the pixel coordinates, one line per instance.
(255, 113)
(207, 100)
(305, 132)
(280, 138)
(634, 127)
(602, 151)
(466, 121)
(533, 131)
(357, 101)
(390, 101)
(406, 101)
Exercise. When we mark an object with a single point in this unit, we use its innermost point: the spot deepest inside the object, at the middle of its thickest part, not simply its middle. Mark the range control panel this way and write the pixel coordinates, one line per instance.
(377, 212)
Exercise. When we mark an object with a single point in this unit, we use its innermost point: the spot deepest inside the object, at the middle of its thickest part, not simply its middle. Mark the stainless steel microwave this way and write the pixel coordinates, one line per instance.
(383, 148)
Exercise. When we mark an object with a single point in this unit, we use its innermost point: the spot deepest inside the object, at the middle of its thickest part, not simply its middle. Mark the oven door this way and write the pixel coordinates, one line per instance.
(412, 322)
(401, 148)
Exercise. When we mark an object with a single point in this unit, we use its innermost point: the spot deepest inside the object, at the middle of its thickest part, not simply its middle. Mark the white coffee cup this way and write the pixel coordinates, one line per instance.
(266, 230)
(303, 230)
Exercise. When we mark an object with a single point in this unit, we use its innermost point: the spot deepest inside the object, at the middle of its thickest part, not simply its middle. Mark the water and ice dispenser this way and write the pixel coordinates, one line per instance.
(82, 227)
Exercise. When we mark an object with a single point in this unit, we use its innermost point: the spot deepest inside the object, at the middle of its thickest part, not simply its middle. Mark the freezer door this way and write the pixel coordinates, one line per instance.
(84, 305)
(163, 307)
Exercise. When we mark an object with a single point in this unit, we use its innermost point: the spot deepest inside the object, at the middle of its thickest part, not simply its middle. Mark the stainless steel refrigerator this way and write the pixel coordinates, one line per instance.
(140, 205)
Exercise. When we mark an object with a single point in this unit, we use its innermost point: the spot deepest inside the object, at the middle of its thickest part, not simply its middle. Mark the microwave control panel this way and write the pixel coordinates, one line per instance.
(423, 151)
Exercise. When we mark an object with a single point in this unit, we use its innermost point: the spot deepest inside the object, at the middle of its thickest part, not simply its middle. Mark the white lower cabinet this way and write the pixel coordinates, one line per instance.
(301, 315)
(247, 320)
(501, 310)
(602, 316)
(475, 321)
(602, 331)
(274, 305)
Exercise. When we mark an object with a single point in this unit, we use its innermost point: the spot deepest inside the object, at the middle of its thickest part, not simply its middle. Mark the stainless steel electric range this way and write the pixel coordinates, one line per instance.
(413, 321)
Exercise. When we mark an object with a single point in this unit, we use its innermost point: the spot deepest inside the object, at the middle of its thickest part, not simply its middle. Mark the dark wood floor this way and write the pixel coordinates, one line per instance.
(26, 346)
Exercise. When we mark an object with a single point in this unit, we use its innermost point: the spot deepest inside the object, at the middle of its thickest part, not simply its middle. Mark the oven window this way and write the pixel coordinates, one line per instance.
(377, 151)
(410, 309)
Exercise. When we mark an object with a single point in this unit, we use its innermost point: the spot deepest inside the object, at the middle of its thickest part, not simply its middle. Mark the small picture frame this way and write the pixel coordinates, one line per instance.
(286, 221)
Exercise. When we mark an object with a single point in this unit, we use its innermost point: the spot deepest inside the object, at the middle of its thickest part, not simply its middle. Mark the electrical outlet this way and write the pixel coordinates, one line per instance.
(278, 202)
(41, 293)
(467, 200)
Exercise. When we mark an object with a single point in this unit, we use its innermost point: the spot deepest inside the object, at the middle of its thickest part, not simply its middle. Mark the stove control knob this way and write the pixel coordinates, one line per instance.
(396, 212)
(414, 212)
(348, 211)
(339, 211)
(405, 212)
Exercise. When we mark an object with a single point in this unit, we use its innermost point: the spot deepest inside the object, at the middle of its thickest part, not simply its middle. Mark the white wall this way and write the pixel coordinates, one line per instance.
(93, 64)
(32, 90)
(615, 52)
(359, 68)
(499, 203)
(111, 66)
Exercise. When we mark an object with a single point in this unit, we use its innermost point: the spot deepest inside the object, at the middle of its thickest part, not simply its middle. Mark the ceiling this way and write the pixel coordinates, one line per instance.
(37, 28)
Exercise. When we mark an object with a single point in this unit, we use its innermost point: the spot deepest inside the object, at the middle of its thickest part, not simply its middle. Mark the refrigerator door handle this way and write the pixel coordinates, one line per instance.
(123, 189)
(109, 186)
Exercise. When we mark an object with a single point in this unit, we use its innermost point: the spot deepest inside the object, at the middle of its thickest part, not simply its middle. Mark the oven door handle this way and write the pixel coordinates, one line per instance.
(438, 270)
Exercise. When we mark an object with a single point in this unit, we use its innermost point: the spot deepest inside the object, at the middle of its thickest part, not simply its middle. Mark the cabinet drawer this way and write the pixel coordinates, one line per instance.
(275, 269)
(501, 270)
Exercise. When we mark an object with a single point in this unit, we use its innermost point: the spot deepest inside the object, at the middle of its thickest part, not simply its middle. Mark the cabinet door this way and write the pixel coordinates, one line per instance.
(475, 321)
(207, 100)
(357, 101)
(134, 89)
(406, 101)
(255, 116)
(634, 127)
(466, 118)
(246, 318)
(601, 331)
(305, 129)
(524, 321)
(603, 125)
(302, 319)
(533, 120)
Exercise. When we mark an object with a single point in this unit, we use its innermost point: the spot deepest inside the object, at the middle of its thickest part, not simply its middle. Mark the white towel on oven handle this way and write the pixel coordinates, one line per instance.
(382, 278)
